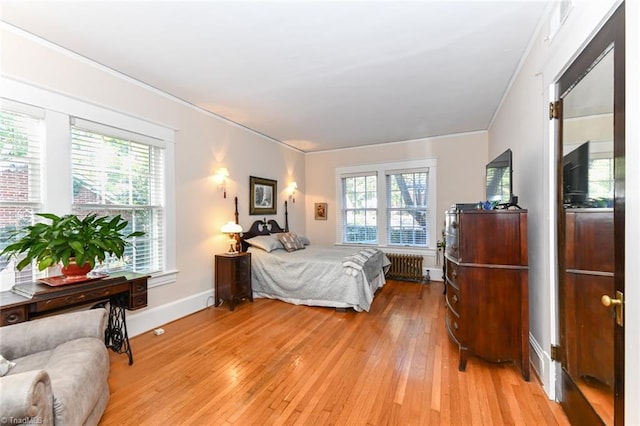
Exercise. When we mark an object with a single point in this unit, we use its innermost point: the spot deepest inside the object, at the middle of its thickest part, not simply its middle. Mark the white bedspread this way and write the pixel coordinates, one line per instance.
(316, 276)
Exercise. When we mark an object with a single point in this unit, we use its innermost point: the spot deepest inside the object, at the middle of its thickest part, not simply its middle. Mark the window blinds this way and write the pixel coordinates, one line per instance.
(407, 208)
(21, 139)
(119, 172)
(360, 209)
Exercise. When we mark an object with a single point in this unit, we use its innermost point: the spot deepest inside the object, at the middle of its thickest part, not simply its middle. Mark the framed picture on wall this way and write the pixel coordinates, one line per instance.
(263, 194)
(320, 210)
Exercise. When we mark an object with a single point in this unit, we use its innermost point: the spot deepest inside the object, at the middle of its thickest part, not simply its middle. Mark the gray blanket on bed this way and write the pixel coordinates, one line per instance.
(359, 262)
(316, 276)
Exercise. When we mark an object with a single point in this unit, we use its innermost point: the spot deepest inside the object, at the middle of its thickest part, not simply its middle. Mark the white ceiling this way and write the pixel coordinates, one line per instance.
(315, 75)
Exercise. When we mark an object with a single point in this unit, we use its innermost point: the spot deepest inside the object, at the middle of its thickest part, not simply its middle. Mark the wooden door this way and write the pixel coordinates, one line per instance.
(591, 229)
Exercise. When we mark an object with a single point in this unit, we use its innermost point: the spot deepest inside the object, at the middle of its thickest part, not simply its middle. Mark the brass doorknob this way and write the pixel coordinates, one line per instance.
(618, 303)
(608, 301)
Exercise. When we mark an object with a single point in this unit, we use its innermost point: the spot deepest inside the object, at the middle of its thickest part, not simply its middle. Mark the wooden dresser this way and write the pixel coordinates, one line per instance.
(487, 285)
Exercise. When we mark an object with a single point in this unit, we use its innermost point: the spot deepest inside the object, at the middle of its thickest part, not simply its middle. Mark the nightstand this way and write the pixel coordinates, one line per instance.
(232, 278)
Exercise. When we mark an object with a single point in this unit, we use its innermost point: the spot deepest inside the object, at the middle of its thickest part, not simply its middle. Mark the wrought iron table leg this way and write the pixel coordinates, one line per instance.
(115, 336)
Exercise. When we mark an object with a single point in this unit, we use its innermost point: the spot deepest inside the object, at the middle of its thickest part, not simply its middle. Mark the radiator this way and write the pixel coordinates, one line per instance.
(405, 267)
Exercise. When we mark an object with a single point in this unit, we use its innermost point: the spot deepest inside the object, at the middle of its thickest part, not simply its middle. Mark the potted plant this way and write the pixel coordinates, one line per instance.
(69, 240)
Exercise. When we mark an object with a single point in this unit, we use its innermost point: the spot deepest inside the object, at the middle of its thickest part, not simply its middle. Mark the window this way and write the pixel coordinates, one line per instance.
(121, 173)
(79, 165)
(360, 211)
(407, 208)
(601, 178)
(21, 136)
(387, 204)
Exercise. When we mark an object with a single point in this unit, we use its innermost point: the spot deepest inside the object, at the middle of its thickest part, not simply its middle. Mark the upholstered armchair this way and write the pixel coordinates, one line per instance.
(61, 370)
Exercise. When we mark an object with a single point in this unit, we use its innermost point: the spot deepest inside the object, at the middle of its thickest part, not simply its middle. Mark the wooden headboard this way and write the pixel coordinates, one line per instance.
(262, 227)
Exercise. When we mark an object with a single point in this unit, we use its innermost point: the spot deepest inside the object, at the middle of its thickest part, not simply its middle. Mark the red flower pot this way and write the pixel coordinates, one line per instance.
(73, 270)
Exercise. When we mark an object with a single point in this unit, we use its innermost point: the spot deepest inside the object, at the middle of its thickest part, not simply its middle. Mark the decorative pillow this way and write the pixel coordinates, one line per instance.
(290, 241)
(267, 243)
(304, 240)
(5, 365)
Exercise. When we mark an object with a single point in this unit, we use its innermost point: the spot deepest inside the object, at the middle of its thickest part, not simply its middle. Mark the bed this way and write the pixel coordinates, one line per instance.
(330, 276)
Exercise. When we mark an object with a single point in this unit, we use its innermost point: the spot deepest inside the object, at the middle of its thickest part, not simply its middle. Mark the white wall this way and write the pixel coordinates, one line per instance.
(632, 261)
(460, 159)
(203, 143)
(522, 123)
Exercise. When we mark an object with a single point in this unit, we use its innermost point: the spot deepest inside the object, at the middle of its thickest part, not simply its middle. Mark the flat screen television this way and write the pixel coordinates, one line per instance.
(575, 177)
(499, 178)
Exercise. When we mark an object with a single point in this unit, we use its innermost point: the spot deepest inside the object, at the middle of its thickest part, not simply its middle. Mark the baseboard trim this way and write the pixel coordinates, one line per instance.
(435, 274)
(141, 322)
(543, 365)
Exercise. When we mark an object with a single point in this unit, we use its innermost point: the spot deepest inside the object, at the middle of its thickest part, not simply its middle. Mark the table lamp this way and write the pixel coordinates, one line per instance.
(232, 229)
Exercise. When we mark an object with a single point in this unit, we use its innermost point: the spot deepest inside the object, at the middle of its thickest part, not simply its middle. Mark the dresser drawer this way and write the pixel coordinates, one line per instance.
(13, 315)
(453, 273)
(452, 227)
(452, 249)
(453, 298)
(455, 326)
(137, 301)
(139, 286)
(88, 296)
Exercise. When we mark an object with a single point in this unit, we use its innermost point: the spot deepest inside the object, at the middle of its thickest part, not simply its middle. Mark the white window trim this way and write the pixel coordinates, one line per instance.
(382, 169)
(57, 151)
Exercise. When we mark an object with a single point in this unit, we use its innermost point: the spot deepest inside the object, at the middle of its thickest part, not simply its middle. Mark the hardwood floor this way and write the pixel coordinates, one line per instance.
(274, 363)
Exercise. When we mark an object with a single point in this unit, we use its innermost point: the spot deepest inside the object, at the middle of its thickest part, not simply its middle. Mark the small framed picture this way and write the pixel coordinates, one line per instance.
(320, 210)
(262, 196)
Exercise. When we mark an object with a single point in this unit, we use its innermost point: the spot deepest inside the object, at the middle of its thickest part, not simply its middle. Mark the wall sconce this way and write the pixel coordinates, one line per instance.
(221, 179)
(232, 229)
(291, 189)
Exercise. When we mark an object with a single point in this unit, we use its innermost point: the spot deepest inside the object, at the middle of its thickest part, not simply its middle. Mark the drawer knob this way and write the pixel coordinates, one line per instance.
(454, 274)
(13, 318)
(455, 325)
(455, 298)
(454, 225)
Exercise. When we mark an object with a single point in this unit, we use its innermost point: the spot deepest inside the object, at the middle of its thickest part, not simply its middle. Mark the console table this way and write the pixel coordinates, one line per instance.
(122, 291)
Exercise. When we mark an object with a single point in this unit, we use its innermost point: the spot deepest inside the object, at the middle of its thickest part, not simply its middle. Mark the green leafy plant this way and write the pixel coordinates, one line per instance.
(67, 237)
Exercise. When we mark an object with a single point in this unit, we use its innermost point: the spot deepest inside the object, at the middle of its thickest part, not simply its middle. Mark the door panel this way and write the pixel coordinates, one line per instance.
(591, 228)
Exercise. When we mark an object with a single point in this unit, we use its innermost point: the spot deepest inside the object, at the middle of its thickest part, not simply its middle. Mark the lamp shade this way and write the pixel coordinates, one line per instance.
(231, 228)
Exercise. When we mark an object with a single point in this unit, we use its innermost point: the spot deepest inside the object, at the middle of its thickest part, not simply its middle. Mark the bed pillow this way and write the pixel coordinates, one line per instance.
(290, 241)
(5, 365)
(304, 240)
(267, 243)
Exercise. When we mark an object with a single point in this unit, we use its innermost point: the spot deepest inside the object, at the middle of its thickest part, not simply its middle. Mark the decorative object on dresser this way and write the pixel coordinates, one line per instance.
(232, 278)
(487, 292)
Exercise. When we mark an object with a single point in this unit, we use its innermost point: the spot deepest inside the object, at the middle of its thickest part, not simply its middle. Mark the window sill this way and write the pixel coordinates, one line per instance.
(163, 278)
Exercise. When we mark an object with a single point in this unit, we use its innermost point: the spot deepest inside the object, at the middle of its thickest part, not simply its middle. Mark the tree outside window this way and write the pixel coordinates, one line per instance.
(407, 212)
